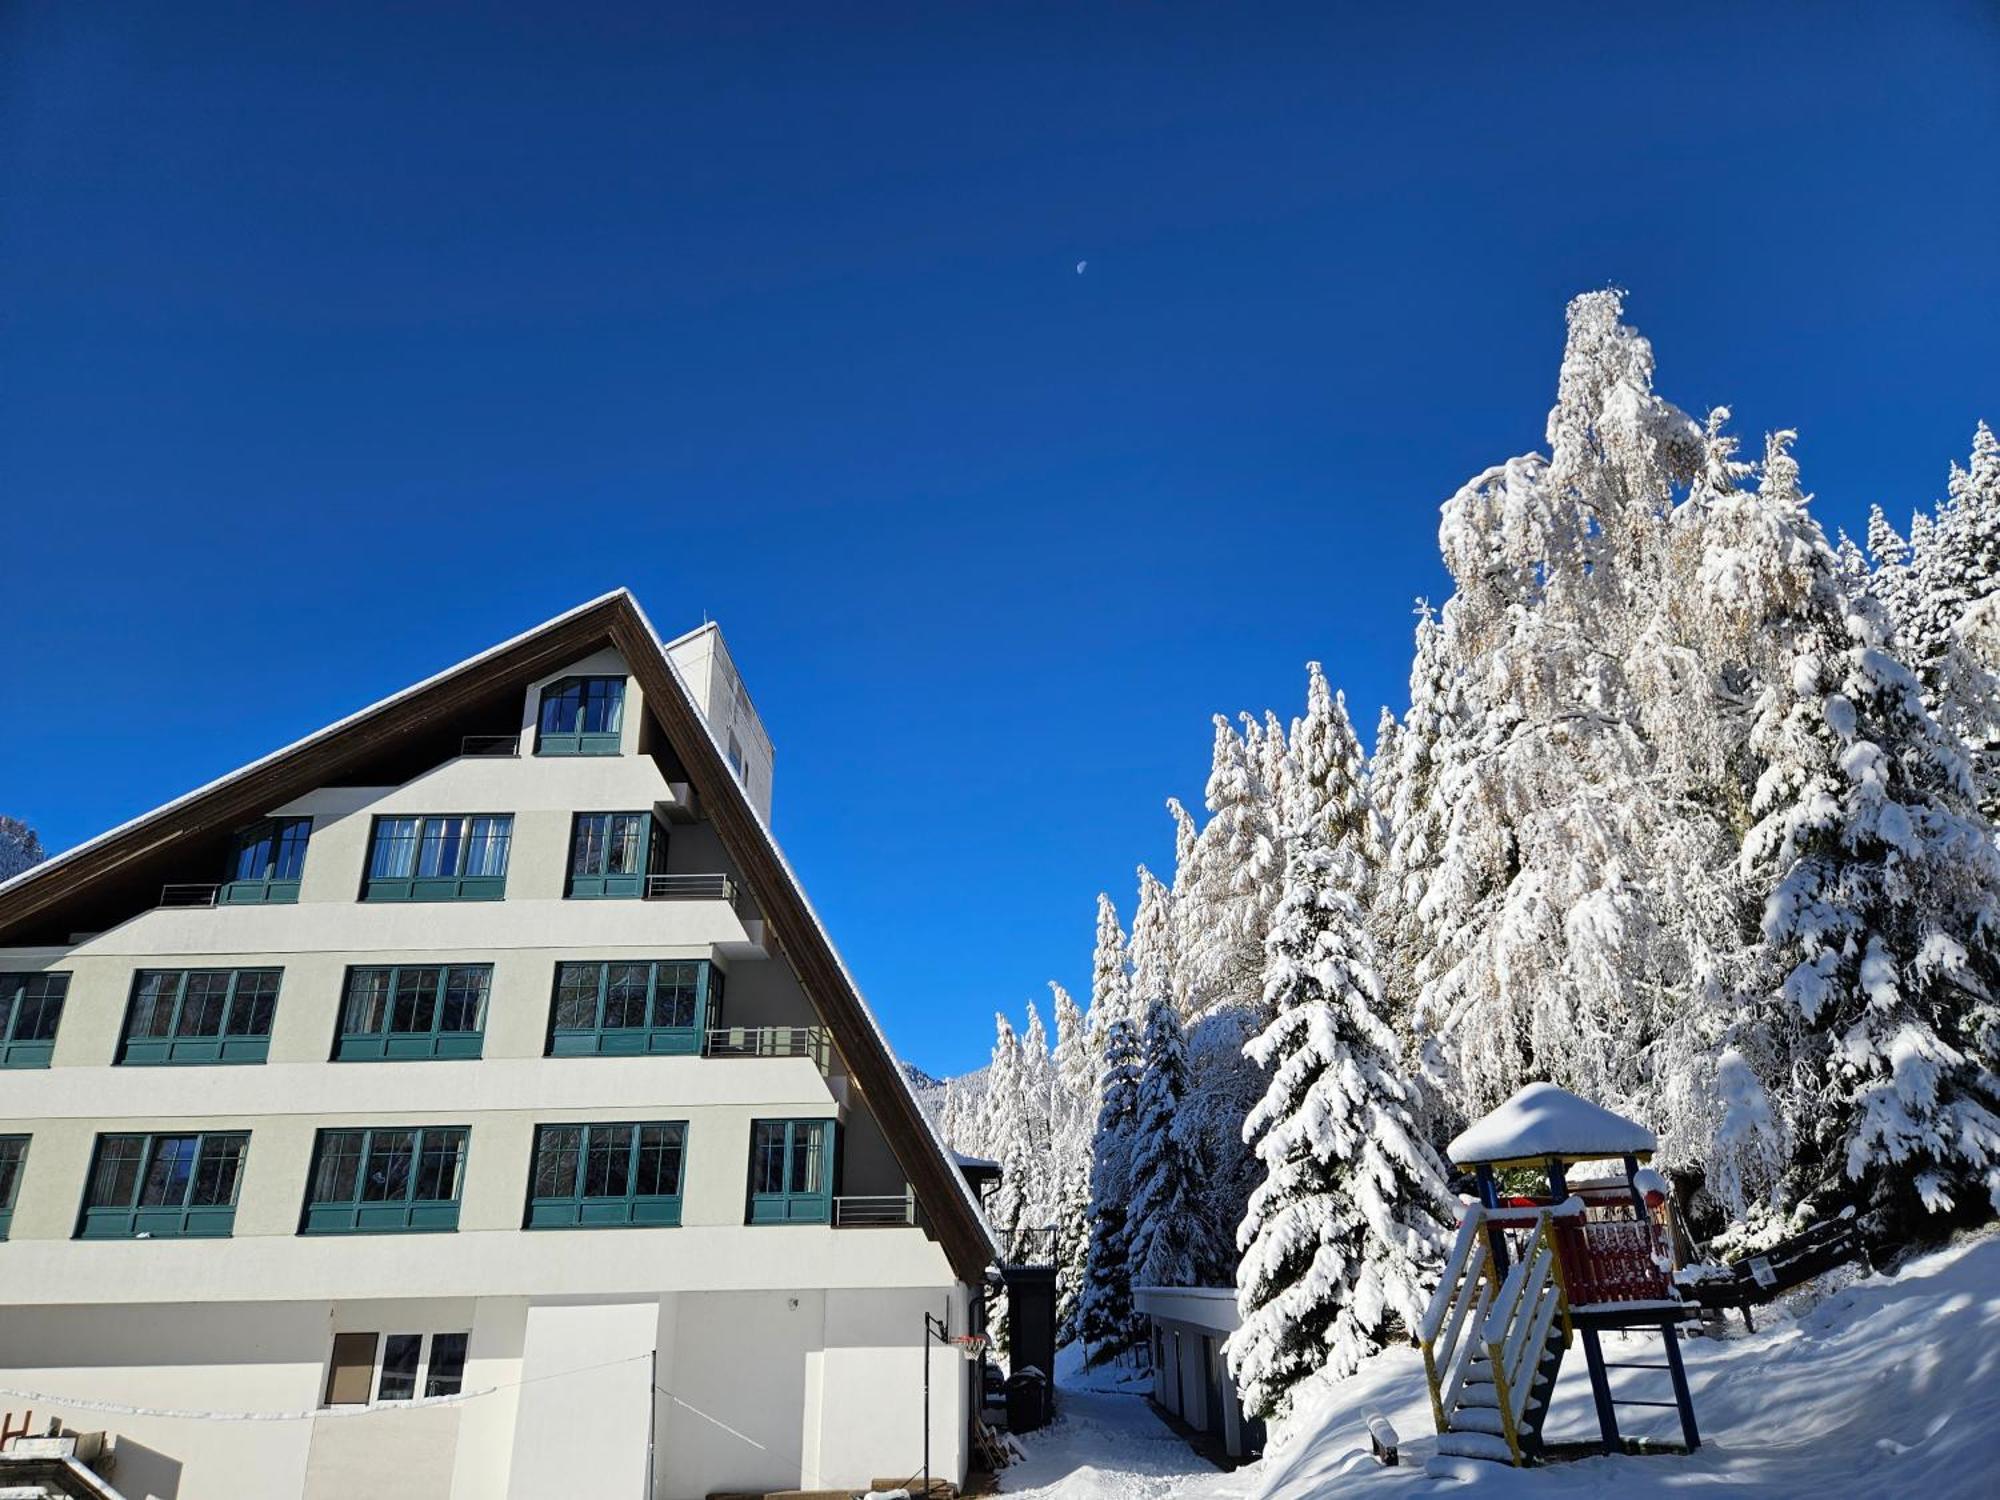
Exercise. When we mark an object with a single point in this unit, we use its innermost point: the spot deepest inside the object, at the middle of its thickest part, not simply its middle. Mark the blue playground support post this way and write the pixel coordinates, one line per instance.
(1638, 1198)
(1683, 1398)
(1496, 1237)
(1600, 1389)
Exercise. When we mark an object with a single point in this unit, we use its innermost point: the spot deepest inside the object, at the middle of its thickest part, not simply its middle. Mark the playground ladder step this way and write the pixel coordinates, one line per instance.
(1476, 1445)
(1478, 1419)
(1487, 1396)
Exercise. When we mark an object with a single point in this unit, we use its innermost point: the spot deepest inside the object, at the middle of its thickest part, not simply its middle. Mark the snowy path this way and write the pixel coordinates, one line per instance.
(1108, 1445)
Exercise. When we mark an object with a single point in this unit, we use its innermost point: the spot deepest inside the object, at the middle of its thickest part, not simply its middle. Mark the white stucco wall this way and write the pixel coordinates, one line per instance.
(1190, 1326)
(581, 1423)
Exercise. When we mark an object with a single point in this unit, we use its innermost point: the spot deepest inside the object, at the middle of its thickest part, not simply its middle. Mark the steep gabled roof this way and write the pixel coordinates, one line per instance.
(614, 620)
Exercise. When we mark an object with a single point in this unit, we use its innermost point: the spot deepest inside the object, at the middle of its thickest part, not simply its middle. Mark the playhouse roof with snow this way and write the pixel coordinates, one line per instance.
(1542, 1121)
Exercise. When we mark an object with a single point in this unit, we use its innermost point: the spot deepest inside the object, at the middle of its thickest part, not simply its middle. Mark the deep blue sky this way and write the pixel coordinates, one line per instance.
(341, 341)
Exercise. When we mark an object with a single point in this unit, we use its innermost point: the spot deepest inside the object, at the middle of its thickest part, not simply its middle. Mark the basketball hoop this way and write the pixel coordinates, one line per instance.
(971, 1345)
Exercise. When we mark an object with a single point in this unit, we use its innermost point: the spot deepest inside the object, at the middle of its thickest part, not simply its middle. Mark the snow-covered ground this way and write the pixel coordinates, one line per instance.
(1889, 1386)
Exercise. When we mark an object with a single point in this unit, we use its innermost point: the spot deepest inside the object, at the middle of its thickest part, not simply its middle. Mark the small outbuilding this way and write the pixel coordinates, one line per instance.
(1191, 1381)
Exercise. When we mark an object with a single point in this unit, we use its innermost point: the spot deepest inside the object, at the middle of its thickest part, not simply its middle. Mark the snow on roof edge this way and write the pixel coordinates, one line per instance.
(1542, 1120)
(54, 861)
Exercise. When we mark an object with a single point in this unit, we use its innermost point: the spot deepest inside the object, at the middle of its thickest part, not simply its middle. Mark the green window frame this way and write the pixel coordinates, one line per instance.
(408, 1012)
(188, 1016)
(439, 857)
(386, 1180)
(265, 863)
(13, 1152)
(581, 716)
(791, 1171)
(170, 1185)
(633, 1008)
(611, 854)
(623, 1175)
(31, 1007)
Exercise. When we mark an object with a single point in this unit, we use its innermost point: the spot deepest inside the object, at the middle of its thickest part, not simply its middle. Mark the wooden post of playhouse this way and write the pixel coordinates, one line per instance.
(1638, 1198)
(1683, 1398)
(1600, 1389)
(1496, 1237)
(1558, 1182)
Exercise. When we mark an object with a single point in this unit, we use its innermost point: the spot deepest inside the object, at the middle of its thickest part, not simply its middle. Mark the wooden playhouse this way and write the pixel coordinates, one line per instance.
(1533, 1272)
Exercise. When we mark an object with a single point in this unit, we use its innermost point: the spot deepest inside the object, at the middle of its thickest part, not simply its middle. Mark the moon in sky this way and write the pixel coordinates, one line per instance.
(1080, 265)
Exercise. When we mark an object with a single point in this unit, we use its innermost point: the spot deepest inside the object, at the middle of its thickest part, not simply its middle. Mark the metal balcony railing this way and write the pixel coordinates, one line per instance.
(186, 894)
(884, 1211)
(490, 744)
(770, 1041)
(690, 888)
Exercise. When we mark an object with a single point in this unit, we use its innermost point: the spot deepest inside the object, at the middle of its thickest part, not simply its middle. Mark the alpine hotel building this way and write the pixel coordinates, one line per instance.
(469, 1094)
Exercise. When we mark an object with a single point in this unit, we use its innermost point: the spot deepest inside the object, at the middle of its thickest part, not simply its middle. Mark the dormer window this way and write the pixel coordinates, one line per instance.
(581, 716)
(266, 862)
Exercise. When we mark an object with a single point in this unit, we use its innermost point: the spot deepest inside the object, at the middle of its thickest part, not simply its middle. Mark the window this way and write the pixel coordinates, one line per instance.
(385, 1181)
(611, 854)
(30, 1007)
(447, 1366)
(12, 1149)
(394, 1367)
(604, 1176)
(453, 857)
(163, 1186)
(265, 864)
(200, 1016)
(791, 1171)
(432, 1010)
(623, 1009)
(581, 716)
(351, 1372)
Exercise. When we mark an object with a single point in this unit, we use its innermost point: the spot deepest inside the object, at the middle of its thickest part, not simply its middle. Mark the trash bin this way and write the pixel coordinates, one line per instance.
(1027, 1399)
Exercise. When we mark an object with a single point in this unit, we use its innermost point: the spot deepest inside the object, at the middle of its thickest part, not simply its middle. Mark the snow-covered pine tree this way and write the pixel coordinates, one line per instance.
(1948, 630)
(1382, 786)
(1853, 562)
(20, 847)
(1174, 1241)
(1072, 1122)
(1005, 1131)
(1037, 1135)
(1103, 1315)
(1404, 780)
(1353, 1216)
(1231, 880)
(1105, 1319)
(1890, 555)
(1874, 1033)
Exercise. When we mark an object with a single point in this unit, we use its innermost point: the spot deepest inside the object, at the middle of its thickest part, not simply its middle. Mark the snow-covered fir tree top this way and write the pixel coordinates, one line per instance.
(1541, 1121)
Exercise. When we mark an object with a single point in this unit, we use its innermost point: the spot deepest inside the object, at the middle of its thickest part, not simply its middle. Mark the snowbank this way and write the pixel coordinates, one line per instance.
(1889, 1387)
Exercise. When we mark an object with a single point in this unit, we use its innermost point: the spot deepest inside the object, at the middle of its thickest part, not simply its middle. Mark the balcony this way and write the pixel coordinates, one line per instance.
(230, 893)
(484, 746)
(716, 887)
(882, 1211)
(190, 894)
(812, 1042)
